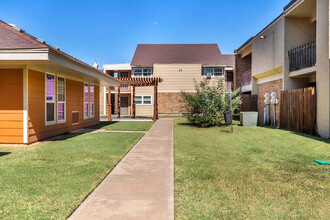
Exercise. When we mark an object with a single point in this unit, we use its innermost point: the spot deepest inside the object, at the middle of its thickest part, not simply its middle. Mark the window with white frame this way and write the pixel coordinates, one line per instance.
(91, 101)
(142, 72)
(143, 100)
(138, 100)
(61, 99)
(213, 72)
(86, 100)
(50, 98)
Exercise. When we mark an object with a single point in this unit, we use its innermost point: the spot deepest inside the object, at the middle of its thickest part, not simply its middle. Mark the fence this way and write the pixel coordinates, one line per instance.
(249, 103)
(298, 110)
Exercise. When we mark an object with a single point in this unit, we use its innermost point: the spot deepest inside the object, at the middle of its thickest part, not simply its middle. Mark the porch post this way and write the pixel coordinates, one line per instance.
(155, 115)
(118, 107)
(133, 106)
(109, 103)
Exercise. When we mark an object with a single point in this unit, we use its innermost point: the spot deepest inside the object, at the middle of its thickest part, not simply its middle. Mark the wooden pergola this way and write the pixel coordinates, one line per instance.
(136, 82)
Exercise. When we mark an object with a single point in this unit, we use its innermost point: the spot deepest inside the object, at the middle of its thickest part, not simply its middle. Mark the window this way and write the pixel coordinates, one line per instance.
(139, 72)
(86, 100)
(138, 100)
(143, 100)
(91, 101)
(61, 99)
(146, 100)
(213, 72)
(50, 98)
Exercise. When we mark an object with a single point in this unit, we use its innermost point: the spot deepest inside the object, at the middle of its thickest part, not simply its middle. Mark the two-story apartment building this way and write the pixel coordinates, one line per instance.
(178, 65)
(292, 52)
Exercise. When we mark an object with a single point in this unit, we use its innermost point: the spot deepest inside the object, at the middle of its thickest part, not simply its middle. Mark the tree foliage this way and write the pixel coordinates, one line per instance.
(206, 107)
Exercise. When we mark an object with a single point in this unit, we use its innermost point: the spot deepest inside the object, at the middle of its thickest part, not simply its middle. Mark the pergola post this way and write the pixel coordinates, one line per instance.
(118, 107)
(134, 106)
(109, 103)
(155, 116)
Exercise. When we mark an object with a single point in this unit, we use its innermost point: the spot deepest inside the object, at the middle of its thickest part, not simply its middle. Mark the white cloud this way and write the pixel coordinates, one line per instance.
(155, 22)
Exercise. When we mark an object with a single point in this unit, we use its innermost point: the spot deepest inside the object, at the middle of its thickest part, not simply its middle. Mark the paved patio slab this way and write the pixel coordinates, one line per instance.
(141, 186)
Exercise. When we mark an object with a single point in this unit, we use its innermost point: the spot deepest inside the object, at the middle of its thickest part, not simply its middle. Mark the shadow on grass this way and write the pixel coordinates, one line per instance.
(317, 138)
(102, 124)
(4, 153)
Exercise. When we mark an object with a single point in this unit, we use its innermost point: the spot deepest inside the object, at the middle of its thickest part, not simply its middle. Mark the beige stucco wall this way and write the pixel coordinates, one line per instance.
(268, 53)
(323, 68)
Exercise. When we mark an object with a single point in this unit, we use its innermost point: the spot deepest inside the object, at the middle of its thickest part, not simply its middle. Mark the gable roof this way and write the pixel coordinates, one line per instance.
(12, 37)
(206, 54)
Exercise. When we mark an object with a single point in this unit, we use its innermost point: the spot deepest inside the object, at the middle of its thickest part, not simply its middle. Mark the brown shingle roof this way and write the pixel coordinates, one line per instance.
(206, 54)
(14, 39)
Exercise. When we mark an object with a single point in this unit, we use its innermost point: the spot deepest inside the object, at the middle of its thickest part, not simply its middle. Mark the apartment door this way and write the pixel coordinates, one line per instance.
(124, 105)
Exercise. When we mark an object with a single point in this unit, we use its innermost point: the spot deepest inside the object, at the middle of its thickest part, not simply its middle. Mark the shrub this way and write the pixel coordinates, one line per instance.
(206, 107)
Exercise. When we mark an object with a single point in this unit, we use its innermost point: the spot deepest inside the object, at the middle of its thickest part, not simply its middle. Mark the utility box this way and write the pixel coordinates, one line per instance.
(249, 119)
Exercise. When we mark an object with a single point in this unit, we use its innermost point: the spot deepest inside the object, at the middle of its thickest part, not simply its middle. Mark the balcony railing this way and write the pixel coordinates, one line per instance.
(124, 87)
(303, 56)
(289, 5)
(246, 78)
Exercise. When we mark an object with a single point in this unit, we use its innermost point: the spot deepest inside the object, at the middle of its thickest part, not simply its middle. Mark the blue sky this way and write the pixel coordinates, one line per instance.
(109, 31)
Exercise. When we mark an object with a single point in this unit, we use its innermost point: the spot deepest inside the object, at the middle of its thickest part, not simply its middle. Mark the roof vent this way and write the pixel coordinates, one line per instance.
(41, 41)
(17, 28)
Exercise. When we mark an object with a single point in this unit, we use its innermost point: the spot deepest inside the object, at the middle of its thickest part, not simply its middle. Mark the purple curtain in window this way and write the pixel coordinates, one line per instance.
(50, 87)
(86, 92)
(92, 109)
(86, 109)
(91, 93)
(60, 111)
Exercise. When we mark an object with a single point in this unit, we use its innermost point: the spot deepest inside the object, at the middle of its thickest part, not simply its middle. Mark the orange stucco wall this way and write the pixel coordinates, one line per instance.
(11, 105)
(74, 102)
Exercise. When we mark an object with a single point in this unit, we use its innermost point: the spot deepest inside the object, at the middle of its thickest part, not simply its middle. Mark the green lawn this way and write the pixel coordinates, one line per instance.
(253, 173)
(49, 180)
(126, 125)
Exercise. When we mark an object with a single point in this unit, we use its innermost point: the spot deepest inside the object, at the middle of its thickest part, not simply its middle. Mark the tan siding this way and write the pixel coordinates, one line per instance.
(144, 110)
(74, 102)
(178, 77)
(11, 106)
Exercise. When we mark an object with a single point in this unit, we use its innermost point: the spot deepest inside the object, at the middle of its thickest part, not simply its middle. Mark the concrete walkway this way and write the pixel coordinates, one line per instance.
(141, 186)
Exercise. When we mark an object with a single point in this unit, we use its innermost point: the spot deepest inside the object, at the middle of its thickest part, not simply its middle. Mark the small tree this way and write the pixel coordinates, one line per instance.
(206, 107)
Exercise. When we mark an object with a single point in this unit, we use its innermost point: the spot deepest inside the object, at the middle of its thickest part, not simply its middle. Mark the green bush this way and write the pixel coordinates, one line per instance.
(206, 107)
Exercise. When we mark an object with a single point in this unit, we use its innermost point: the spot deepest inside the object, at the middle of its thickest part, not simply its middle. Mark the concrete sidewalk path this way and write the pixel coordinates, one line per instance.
(141, 186)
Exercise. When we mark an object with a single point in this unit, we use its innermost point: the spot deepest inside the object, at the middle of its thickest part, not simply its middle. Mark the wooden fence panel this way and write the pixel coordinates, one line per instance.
(249, 103)
(298, 110)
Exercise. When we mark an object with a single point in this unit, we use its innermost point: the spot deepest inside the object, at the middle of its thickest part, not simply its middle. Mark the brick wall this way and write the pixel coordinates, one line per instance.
(269, 87)
(170, 103)
(242, 65)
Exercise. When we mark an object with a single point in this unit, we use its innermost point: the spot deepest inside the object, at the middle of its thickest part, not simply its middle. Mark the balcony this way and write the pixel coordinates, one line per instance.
(303, 56)
(123, 88)
(246, 78)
